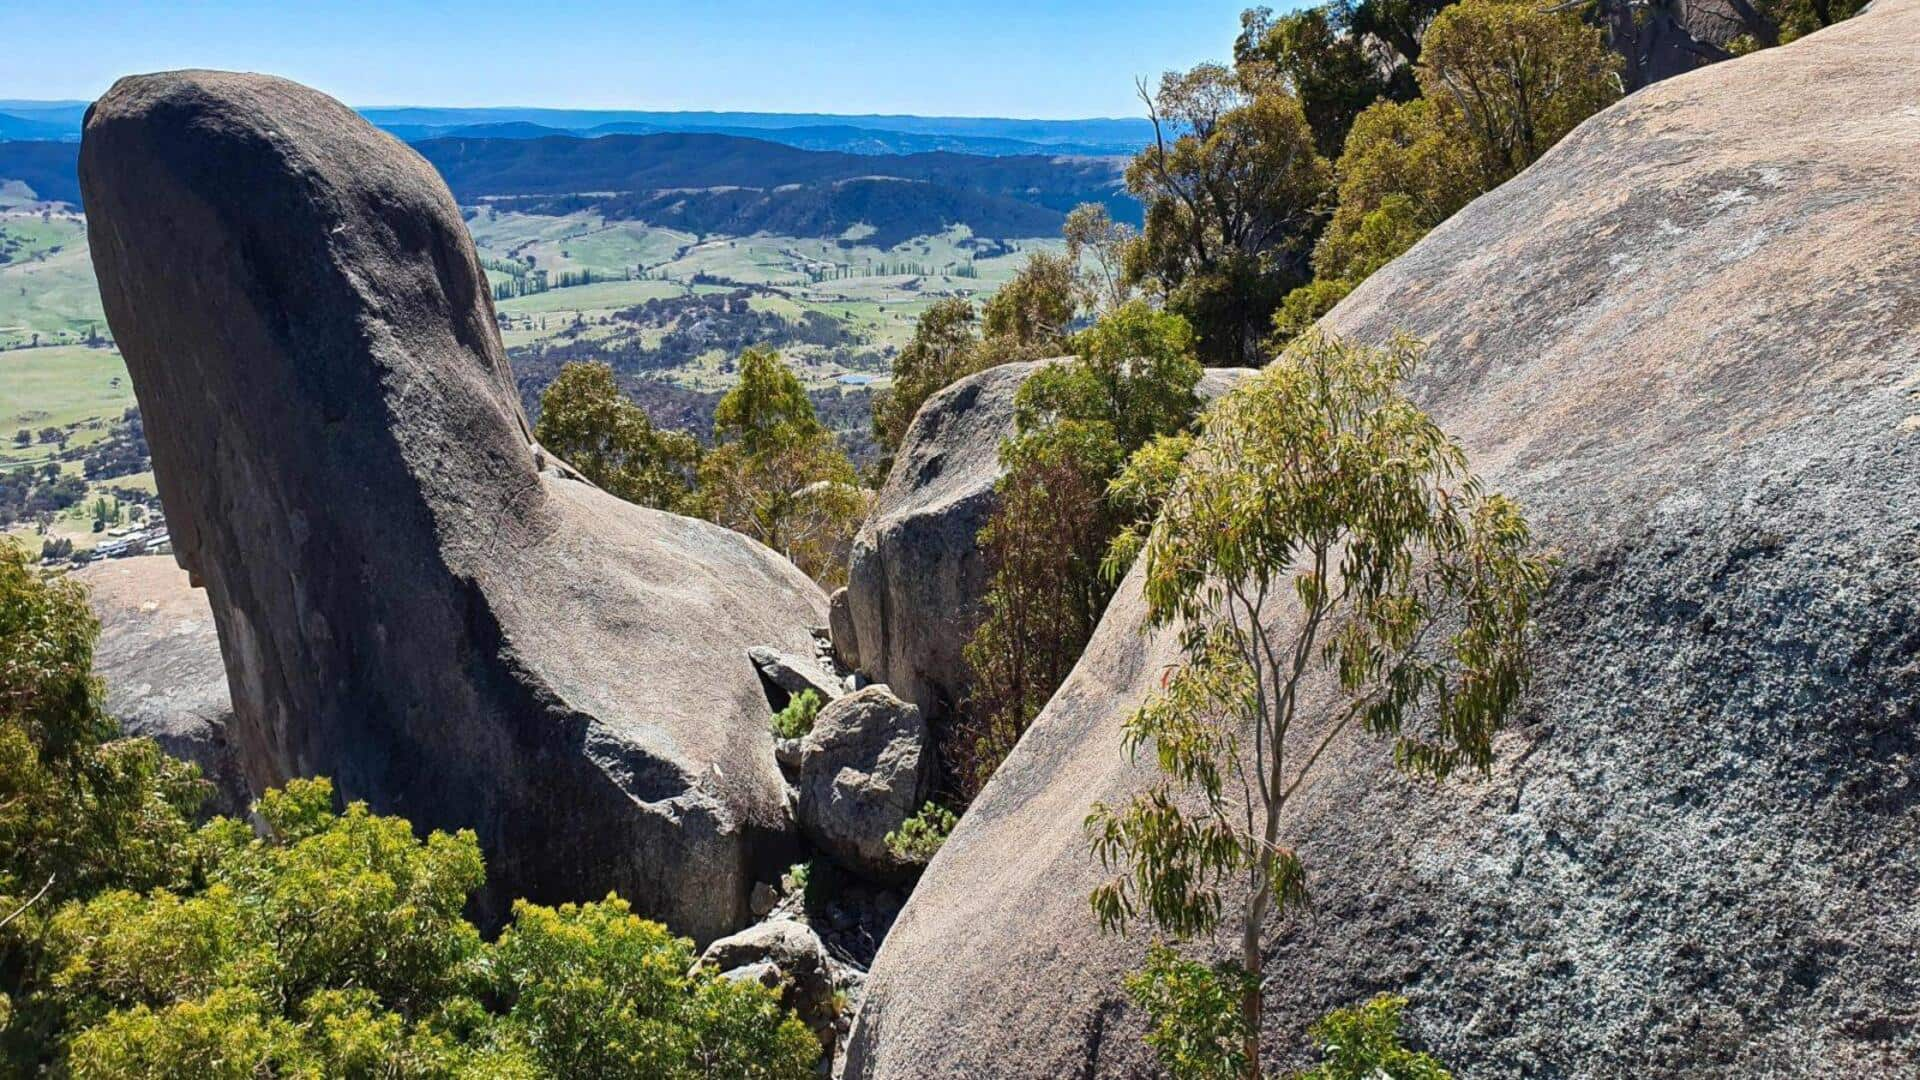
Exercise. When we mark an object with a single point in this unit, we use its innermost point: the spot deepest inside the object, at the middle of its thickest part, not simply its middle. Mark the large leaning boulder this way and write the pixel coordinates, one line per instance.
(411, 596)
(917, 574)
(1688, 341)
(159, 655)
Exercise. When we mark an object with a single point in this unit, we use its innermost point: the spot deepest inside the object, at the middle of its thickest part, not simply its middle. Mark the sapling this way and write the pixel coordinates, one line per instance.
(1330, 565)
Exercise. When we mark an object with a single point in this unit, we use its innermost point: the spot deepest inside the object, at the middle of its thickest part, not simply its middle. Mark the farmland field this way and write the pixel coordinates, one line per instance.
(47, 293)
(668, 309)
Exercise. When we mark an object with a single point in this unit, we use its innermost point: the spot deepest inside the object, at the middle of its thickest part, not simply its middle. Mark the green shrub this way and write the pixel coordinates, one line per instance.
(1363, 1043)
(333, 944)
(1199, 1030)
(590, 422)
(797, 718)
(597, 991)
(919, 837)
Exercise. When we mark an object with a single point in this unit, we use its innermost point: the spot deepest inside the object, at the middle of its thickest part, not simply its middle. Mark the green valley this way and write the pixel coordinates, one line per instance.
(669, 310)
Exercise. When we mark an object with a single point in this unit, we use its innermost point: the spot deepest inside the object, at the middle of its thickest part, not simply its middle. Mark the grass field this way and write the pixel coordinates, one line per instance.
(64, 386)
(50, 307)
(843, 279)
(79, 390)
(47, 292)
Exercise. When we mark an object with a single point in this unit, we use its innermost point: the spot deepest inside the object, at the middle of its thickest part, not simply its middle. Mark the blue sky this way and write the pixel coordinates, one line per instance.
(962, 58)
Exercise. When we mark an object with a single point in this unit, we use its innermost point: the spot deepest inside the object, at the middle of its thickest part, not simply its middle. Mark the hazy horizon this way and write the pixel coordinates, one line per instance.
(1073, 60)
(530, 107)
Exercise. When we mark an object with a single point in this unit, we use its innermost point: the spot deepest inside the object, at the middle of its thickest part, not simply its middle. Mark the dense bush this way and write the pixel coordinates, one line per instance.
(1232, 186)
(133, 944)
(776, 474)
(335, 946)
(1076, 423)
(1363, 1043)
(591, 424)
(797, 718)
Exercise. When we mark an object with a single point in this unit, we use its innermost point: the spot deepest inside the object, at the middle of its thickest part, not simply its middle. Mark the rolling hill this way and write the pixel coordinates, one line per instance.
(710, 183)
(560, 165)
(895, 210)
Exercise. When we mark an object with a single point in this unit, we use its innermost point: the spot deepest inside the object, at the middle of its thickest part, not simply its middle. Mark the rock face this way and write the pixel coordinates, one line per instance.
(915, 572)
(865, 768)
(1688, 341)
(916, 577)
(159, 656)
(411, 597)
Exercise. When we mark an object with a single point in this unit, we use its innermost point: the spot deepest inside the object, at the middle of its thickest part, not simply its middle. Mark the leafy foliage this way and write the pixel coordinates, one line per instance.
(1134, 371)
(919, 837)
(797, 718)
(1076, 423)
(1230, 204)
(1501, 82)
(597, 991)
(777, 474)
(1333, 73)
(1043, 544)
(1027, 318)
(1510, 79)
(1363, 1043)
(586, 420)
(1412, 591)
(330, 944)
(80, 810)
(335, 946)
(1199, 1031)
(1098, 244)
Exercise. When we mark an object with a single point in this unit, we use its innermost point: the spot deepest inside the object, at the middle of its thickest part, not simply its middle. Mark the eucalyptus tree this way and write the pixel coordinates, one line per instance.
(1330, 566)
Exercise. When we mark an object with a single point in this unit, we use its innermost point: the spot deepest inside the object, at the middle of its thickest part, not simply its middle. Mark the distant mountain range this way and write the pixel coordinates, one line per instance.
(729, 184)
(875, 134)
(895, 210)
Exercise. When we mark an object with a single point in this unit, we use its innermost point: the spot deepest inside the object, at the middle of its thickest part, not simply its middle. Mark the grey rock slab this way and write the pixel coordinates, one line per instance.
(159, 656)
(792, 674)
(1687, 341)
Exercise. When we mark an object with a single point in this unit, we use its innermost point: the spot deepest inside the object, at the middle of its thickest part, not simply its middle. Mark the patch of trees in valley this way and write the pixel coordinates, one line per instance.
(38, 492)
